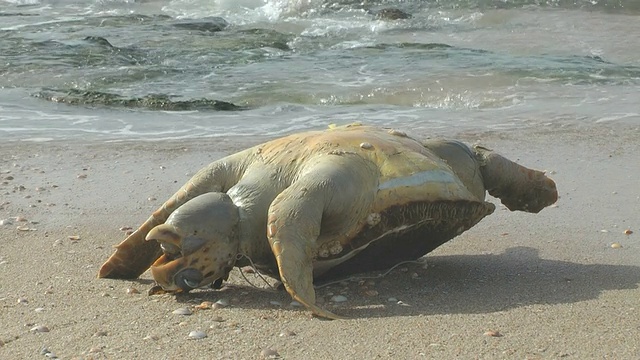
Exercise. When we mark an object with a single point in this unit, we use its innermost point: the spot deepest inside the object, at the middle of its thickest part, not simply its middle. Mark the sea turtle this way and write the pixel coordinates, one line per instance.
(323, 204)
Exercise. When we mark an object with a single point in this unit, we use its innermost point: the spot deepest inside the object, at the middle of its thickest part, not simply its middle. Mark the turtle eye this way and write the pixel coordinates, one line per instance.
(170, 249)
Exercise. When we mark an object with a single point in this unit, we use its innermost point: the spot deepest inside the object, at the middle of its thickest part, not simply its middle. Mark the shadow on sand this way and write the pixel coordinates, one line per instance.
(456, 284)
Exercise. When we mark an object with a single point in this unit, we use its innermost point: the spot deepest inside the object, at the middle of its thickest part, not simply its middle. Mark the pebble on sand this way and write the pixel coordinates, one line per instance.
(197, 334)
(286, 333)
(492, 333)
(628, 232)
(339, 298)
(39, 329)
(269, 354)
(616, 245)
(132, 291)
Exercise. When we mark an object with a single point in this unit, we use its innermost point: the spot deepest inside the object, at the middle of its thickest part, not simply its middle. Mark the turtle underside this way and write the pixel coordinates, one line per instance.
(404, 232)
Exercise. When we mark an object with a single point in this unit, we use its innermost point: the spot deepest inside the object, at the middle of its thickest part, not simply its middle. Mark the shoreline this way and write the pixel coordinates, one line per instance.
(550, 284)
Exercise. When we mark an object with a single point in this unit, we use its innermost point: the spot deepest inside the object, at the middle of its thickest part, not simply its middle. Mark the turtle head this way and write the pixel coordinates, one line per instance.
(199, 243)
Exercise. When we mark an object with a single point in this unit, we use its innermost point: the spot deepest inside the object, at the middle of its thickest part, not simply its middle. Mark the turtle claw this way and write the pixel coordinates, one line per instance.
(305, 298)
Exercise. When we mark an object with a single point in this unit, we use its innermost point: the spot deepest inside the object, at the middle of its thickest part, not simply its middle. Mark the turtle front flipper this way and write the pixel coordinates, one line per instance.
(134, 255)
(327, 194)
(518, 187)
(293, 225)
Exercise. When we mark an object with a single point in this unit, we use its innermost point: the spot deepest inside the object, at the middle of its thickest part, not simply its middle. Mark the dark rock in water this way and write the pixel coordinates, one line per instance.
(16, 14)
(152, 102)
(208, 24)
(267, 38)
(98, 40)
(390, 14)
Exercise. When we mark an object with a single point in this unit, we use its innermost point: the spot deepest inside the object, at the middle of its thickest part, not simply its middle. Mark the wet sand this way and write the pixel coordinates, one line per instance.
(550, 285)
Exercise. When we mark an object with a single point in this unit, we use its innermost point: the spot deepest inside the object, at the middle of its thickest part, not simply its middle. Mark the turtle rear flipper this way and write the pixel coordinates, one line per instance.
(518, 187)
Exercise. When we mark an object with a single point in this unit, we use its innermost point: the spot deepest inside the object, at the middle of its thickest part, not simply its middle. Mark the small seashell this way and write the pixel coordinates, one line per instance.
(39, 328)
(205, 305)
(197, 334)
(182, 311)
(402, 303)
(74, 237)
(604, 231)
(38, 309)
(616, 245)
(156, 290)
(100, 333)
(152, 198)
(132, 291)
(339, 298)
(23, 228)
(628, 232)
(51, 355)
(492, 333)
(223, 302)
(125, 228)
(23, 301)
(366, 146)
(269, 354)
(371, 293)
(82, 176)
(21, 219)
(150, 337)
(397, 133)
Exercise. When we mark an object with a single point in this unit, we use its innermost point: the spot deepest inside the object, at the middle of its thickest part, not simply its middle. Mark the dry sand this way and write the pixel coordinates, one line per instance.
(550, 284)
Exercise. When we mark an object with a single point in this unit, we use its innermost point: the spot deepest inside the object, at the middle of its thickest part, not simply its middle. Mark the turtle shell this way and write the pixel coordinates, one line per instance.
(420, 199)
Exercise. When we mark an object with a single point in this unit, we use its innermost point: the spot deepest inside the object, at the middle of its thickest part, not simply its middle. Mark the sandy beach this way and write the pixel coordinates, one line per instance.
(563, 283)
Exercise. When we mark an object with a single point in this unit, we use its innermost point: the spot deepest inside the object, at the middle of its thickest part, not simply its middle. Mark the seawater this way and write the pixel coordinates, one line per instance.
(152, 70)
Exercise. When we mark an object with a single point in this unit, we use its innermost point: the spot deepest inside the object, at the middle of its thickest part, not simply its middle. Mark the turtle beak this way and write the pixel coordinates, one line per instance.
(164, 272)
